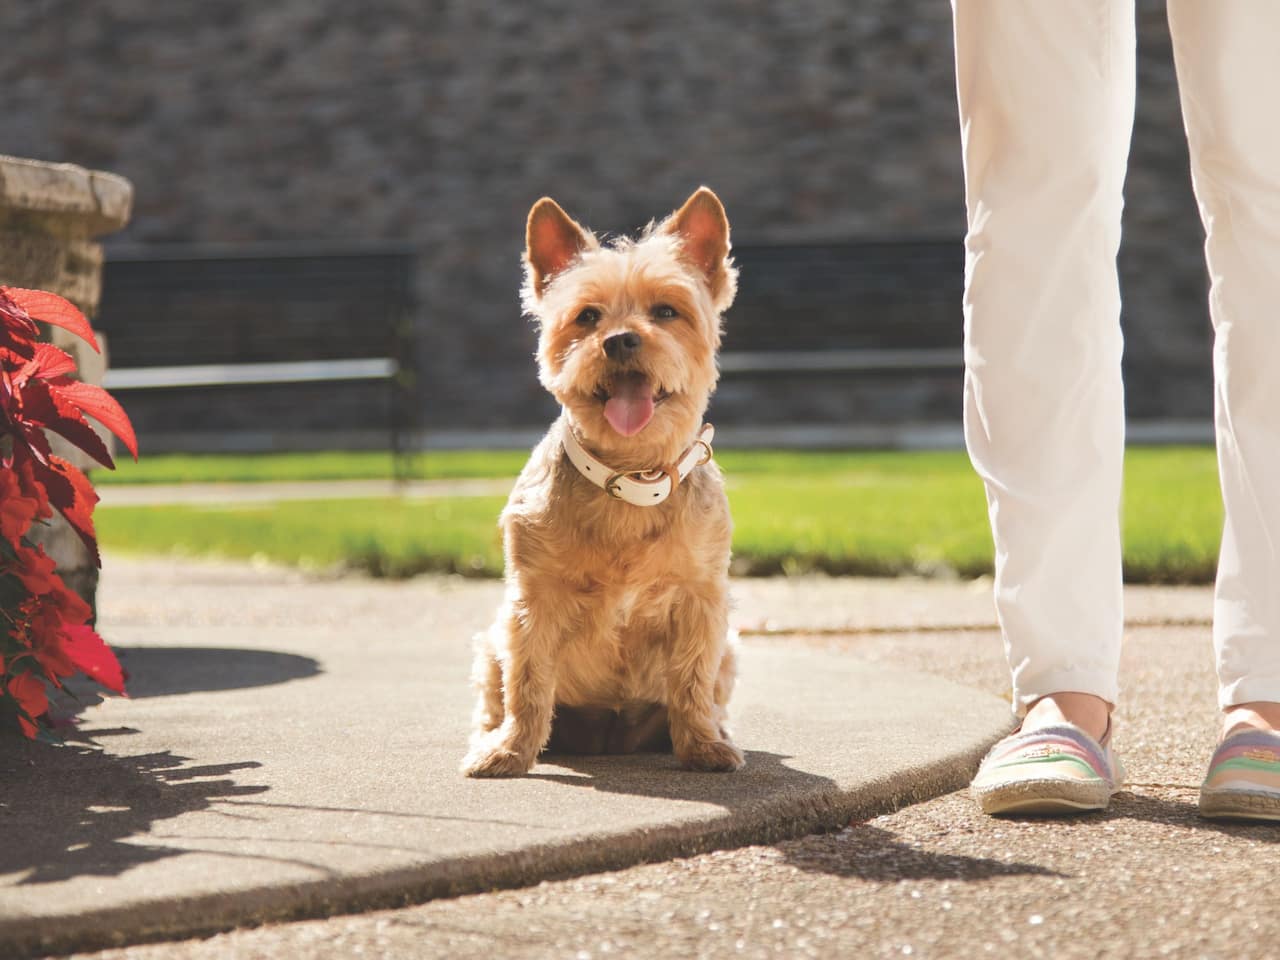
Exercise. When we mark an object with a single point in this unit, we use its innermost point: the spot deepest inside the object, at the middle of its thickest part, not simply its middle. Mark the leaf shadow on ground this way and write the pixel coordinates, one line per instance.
(75, 811)
(78, 810)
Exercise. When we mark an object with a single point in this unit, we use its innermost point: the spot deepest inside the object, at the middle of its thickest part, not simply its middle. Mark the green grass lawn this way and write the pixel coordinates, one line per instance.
(868, 513)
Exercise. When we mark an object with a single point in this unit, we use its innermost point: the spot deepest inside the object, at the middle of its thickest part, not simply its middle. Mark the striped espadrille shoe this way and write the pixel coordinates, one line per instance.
(1054, 770)
(1243, 781)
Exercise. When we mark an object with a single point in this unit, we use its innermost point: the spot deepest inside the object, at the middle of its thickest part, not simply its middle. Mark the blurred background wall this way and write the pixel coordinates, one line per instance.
(419, 133)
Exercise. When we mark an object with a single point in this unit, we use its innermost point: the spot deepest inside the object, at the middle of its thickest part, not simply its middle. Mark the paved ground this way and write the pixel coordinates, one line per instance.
(1146, 879)
(291, 749)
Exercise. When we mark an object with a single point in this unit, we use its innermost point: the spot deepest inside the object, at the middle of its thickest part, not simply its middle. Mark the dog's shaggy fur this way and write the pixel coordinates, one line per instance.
(616, 614)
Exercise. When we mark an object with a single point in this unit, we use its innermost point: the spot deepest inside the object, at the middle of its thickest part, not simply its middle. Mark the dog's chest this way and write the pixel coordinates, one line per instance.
(627, 659)
(629, 598)
(635, 604)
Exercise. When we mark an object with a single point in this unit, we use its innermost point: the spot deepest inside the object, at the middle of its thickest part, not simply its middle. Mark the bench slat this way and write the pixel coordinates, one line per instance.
(840, 361)
(221, 374)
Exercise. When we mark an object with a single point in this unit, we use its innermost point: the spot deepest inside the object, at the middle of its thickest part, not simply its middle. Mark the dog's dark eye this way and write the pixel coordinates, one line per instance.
(664, 312)
(588, 317)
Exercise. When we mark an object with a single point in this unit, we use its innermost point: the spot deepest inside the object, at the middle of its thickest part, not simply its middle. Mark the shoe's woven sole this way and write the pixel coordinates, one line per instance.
(1243, 782)
(1055, 771)
(1045, 797)
(1239, 805)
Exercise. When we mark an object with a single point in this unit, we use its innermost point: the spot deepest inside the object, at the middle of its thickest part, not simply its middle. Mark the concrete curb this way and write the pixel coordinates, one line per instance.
(187, 917)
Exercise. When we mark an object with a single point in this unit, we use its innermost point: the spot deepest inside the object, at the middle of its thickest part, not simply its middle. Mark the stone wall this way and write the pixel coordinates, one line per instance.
(438, 123)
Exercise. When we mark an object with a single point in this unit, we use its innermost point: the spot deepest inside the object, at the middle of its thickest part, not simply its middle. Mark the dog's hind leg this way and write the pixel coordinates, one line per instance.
(723, 689)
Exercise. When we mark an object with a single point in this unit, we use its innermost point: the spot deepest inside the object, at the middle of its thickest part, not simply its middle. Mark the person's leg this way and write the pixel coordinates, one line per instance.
(1046, 93)
(1229, 78)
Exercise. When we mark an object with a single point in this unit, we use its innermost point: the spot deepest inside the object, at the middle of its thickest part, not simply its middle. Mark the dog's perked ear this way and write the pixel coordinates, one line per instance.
(703, 230)
(552, 241)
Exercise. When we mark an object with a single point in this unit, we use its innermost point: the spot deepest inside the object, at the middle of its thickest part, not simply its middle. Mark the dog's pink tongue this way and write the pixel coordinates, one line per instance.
(630, 406)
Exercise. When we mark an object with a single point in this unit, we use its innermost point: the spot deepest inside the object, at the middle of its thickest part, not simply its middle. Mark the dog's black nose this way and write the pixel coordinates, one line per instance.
(621, 345)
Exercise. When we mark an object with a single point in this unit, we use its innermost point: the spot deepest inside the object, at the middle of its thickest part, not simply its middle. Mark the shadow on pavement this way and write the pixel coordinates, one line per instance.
(168, 671)
(865, 852)
(1185, 813)
(164, 671)
(765, 778)
(862, 851)
(73, 811)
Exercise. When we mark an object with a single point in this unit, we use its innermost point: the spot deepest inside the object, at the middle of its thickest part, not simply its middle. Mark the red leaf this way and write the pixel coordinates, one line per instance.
(90, 653)
(15, 321)
(36, 571)
(15, 352)
(26, 467)
(71, 492)
(17, 512)
(54, 310)
(42, 406)
(29, 442)
(46, 363)
(100, 405)
(29, 691)
(10, 403)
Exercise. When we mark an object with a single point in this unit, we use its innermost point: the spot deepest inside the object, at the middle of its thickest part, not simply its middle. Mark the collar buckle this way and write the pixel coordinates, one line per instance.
(708, 453)
(612, 487)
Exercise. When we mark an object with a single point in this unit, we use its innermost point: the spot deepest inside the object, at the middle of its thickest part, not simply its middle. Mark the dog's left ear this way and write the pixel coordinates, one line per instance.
(703, 230)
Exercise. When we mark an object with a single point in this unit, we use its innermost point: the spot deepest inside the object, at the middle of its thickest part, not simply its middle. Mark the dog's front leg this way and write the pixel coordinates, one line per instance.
(698, 646)
(528, 695)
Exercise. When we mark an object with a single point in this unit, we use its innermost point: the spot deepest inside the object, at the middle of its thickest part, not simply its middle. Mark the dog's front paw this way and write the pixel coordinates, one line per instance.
(490, 758)
(716, 756)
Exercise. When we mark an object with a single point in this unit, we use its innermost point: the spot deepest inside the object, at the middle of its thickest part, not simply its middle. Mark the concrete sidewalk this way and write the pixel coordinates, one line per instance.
(291, 750)
(1145, 879)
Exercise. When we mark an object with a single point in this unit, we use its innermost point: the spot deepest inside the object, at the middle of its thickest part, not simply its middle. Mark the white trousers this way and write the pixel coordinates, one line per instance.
(1046, 92)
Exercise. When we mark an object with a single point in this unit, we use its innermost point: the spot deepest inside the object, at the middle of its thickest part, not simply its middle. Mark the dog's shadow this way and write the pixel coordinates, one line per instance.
(630, 752)
(765, 779)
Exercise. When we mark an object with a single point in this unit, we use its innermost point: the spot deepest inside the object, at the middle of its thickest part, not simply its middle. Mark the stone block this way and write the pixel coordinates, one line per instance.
(85, 203)
(49, 215)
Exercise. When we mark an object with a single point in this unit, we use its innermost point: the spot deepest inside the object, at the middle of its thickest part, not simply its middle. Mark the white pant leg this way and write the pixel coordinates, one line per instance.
(1046, 90)
(1228, 60)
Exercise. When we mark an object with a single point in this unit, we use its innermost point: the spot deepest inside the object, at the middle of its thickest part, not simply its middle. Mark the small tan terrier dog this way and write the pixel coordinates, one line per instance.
(617, 533)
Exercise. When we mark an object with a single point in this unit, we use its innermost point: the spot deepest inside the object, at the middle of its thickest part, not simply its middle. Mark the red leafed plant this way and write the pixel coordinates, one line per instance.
(45, 635)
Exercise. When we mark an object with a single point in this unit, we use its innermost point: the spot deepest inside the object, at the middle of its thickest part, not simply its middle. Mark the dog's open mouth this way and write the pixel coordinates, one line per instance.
(628, 401)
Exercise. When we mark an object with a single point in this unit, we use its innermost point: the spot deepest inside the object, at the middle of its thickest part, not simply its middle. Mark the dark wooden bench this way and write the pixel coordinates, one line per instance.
(262, 347)
(830, 333)
(873, 306)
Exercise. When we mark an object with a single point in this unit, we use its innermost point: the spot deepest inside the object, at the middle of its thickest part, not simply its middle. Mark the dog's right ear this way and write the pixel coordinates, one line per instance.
(552, 241)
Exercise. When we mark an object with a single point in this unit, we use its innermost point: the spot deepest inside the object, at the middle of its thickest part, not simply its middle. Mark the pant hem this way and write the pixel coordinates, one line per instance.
(1247, 690)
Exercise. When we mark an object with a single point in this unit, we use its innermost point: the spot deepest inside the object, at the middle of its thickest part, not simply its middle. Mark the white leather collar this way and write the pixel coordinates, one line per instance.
(643, 488)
